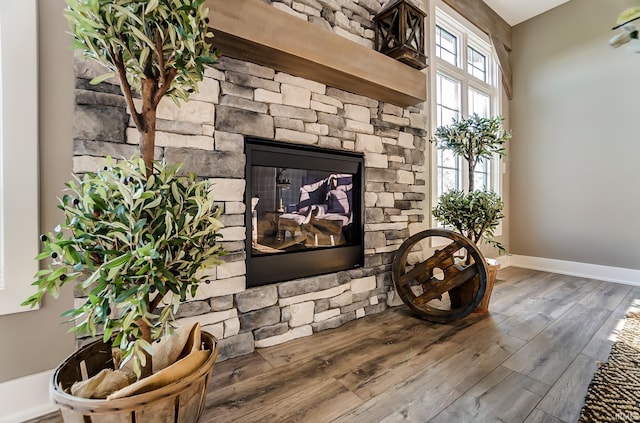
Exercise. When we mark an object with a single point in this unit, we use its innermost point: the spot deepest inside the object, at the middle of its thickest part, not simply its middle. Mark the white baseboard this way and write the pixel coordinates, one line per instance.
(572, 268)
(26, 397)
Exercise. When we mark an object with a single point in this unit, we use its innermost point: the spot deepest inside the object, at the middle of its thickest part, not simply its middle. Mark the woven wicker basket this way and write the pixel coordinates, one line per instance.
(181, 402)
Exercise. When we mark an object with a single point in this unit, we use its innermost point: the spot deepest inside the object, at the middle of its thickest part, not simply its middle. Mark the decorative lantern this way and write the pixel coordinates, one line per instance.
(400, 33)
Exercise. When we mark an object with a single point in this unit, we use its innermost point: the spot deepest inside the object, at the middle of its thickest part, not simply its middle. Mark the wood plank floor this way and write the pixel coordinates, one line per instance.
(530, 360)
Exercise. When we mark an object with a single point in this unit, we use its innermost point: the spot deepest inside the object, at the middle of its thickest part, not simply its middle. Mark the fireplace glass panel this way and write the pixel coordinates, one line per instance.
(300, 209)
(304, 211)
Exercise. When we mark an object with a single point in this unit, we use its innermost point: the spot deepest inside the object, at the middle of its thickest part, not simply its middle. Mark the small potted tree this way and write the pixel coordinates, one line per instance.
(474, 213)
(135, 233)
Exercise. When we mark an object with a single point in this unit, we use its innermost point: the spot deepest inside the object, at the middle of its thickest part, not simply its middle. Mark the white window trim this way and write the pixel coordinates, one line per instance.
(18, 152)
(453, 20)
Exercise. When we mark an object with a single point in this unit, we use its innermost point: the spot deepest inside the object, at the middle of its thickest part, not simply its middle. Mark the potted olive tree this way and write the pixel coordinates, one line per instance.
(135, 233)
(474, 213)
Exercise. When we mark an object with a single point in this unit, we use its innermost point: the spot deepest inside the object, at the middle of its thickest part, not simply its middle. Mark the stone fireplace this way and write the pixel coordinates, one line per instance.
(239, 101)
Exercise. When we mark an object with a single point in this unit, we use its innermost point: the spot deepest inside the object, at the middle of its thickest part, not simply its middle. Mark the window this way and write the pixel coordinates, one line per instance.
(464, 81)
(18, 152)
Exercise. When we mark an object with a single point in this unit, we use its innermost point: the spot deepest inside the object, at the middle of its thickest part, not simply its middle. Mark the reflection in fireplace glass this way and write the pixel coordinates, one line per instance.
(298, 209)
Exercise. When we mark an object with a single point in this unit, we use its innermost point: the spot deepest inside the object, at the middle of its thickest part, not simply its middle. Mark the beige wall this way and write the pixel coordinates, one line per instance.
(574, 155)
(35, 341)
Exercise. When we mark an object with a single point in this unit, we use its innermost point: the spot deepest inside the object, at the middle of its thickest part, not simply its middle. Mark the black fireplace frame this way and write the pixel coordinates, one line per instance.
(289, 265)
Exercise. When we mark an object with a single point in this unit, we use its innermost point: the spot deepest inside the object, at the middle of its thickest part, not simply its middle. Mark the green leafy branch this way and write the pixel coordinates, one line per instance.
(129, 241)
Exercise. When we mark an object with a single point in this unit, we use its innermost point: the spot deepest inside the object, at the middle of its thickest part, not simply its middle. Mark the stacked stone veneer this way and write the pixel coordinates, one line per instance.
(239, 98)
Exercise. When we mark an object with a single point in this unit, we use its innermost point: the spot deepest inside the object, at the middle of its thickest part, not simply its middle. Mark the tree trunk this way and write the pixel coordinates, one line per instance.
(471, 178)
(148, 132)
(147, 148)
(147, 369)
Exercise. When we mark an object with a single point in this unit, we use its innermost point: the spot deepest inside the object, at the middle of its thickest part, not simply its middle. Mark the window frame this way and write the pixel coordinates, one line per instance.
(468, 36)
(19, 214)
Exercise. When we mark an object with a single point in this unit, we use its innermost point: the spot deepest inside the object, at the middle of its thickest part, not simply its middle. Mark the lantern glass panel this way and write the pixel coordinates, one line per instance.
(391, 30)
(414, 34)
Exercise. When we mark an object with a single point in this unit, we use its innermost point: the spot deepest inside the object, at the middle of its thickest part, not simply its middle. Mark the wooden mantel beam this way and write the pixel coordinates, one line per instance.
(256, 32)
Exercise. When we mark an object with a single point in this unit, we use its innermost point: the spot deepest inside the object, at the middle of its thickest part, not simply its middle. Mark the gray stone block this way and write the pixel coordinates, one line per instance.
(236, 346)
(364, 296)
(357, 273)
(354, 306)
(269, 331)
(330, 142)
(233, 257)
(358, 10)
(388, 108)
(375, 308)
(350, 98)
(221, 303)
(283, 110)
(225, 141)
(212, 164)
(305, 286)
(343, 277)
(232, 219)
(415, 157)
(376, 187)
(333, 121)
(341, 300)
(393, 187)
(413, 196)
(103, 149)
(193, 308)
(233, 245)
(285, 314)
(98, 98)
(259, 318)
(399, 166)
(288, 123)
(179, 127)
(227, 88)
(334, 322)
(402, 204)
(366, 23)
(330, 5)
(372, 260)
(393, 150)
(380, 175)
(397, 234)
(374, 240)
(321, 305)
(103, 87)
(231, 119)
(243, 103)
(240, 66)
(373, 215)
(100, 123)
(321, 22)
(393, 299)
(257, 298)
(417, 132)
(386, 132)
(246, 80)
(384, 279)
(313, 3)
(344, 135)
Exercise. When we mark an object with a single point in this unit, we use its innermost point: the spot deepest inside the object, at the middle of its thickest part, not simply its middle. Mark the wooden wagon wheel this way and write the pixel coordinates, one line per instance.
(424, 285)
